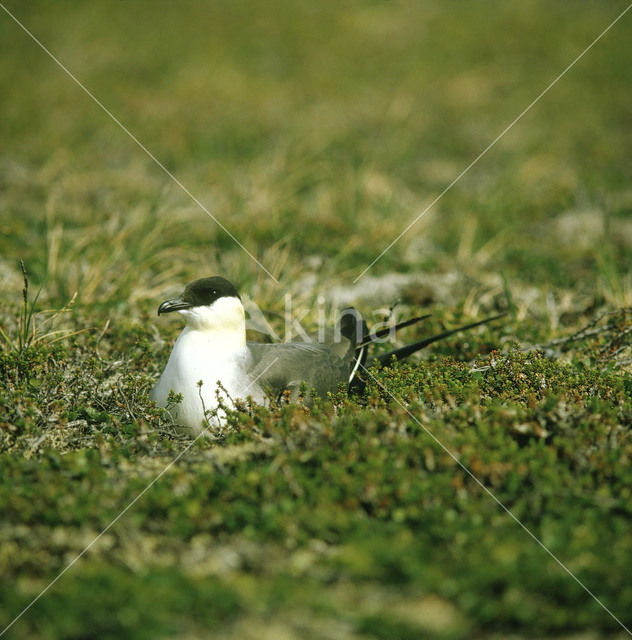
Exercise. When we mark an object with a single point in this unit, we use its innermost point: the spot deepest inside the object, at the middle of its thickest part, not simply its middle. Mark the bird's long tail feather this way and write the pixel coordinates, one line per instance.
(376, 335)
(403, 352)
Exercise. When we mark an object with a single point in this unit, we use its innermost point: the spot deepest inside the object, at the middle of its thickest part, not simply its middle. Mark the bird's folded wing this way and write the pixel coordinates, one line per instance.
(280, 367)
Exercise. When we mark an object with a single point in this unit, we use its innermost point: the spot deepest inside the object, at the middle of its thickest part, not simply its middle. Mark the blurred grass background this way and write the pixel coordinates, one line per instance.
(315, 134)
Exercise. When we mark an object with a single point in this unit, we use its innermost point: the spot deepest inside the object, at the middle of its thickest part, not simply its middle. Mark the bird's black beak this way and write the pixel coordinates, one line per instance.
(175, 304)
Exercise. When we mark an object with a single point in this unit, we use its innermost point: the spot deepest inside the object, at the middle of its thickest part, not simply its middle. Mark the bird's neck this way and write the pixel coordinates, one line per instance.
(223, 323)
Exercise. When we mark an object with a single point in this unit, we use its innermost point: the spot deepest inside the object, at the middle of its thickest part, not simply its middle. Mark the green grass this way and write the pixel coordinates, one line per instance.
(316, 133)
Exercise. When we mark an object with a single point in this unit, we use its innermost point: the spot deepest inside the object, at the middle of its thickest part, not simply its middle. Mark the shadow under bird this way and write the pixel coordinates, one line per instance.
(212, 348)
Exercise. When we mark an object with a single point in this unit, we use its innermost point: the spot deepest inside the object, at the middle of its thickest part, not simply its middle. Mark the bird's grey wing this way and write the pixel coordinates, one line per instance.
(280, 367)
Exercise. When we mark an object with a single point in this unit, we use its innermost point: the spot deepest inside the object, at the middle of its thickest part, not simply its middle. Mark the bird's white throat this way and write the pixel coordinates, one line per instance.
(223, 322)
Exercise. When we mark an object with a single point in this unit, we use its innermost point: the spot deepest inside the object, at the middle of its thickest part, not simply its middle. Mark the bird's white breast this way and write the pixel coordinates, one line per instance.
(207, 355)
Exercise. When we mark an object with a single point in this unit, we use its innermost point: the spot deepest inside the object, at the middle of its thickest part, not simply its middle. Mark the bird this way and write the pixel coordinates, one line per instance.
(212, 365)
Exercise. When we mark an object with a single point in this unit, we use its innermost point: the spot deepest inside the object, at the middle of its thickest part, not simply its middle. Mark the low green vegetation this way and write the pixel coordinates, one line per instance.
(469, 492)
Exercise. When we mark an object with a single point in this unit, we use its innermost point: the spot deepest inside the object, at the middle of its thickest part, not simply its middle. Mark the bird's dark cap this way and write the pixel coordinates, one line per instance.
(199, 293)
